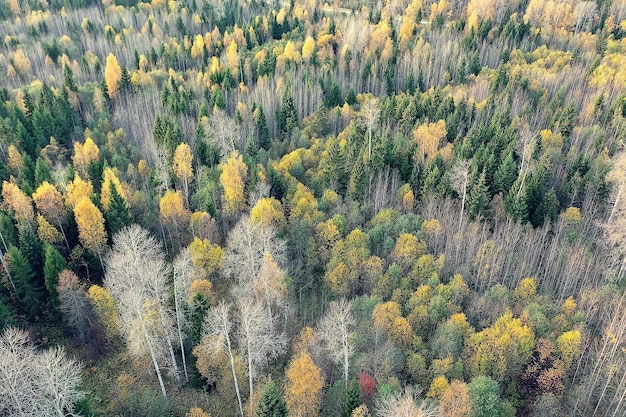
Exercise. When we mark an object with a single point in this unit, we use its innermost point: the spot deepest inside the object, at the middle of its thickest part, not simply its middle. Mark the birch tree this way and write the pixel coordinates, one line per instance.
(136, 276)
(335, 331)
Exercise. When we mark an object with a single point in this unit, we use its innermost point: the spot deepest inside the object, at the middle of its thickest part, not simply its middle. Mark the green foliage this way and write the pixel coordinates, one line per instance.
(352, 399)
(118, 215)
(54, 263)
(271, 403)
(30, 292)
(485, 397)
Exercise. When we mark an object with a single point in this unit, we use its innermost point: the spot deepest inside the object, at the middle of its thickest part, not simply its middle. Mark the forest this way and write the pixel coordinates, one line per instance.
(364, 208)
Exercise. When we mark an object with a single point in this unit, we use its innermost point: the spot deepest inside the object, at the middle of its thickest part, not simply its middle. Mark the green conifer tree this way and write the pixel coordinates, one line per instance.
(29, 292)
(272, 403)
(352, 399)
(118, 216)
(54, 263)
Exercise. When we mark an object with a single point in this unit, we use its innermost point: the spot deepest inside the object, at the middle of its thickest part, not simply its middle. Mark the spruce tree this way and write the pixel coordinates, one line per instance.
(32, 248)
(29, 292)
(272, 403)
(54, 263)
(42, 172)
(352, 399)
(478, 198)
(7, 313)
(118, 216)
(505, 175)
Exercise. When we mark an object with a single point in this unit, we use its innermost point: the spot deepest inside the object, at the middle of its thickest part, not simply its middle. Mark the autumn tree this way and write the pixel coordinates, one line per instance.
(74, 303)
(303, 387)
(49, 202)
(84, 154)
(216, 340)
(36, 383)
(112, 75)
(77, 190)
(335, 331)
(90, 223)
(233, 179)
(257, 343)
(183, 168)
(174, 214)
(405, 403)
(370, 112)
(16, 201)
(455, 401)
(137, 277)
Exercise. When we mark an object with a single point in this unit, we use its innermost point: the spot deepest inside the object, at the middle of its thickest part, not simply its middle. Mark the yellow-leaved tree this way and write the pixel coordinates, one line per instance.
(112, 75)
(84, 154)
(303, 391)
(90, 224)
(105, 195)
(15, 200)
(233, 180)
(183, 168)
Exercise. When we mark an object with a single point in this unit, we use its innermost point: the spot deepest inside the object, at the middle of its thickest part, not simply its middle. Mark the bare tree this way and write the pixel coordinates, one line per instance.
(370, 113)
(36, 383)
(404, 404)
(459, 176)
(75, 305)
(183, 276)
(335, 331)
(136, 276)
(216, 330)
(246, 247)
(256, 339)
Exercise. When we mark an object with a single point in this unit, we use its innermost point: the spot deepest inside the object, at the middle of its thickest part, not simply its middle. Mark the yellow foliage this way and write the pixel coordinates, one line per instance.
(233, 179)
(197, 412)
(455, 401)
(569, 345)
(183, 160)
(105, 309)
(77, 190)
(172, 208)
(291, 53)
(105, 195)
(385, 315)
(90, 224)
(569, 306)
(303, 391)
(525, 291)
(84, 154)
(428, 137)
(112, 75)
(14, 199)
(47, 233)
(202, 287)
(15, 161)
(438, 387)
(572, 216)
(308, 49)
(21, 63)
(268, 212)
(206, 257)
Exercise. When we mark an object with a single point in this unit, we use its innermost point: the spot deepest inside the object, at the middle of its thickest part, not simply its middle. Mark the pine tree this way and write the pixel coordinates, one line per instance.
(352, 399)
(54, 263)
(118, 215)
(272, 403)
(29, 292)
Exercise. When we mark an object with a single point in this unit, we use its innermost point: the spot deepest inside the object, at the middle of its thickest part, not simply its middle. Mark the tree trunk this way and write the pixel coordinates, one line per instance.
(232, 368)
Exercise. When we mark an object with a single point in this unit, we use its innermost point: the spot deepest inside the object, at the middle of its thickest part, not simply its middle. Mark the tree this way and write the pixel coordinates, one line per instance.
(112, 75)
(36, 383)
(54, 263)
(352, 399)
(74, 304)
(404, 404)
(77, 190)
(105, 309)
(455, 401)
(484, 394)
(137, 276)
(255, 338)
(182, 279)
(49, 202)
(29, 291)
(335, 331)
(272, 403)
(233, 180)
(286, 115)
(304, 385)
(370, 112)
(19, 203)
(90, 222)
(84, 155)
(183, 168)
(459, 177)
(110, 179)
(174, 214)
(216, 331)
(118, 214)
